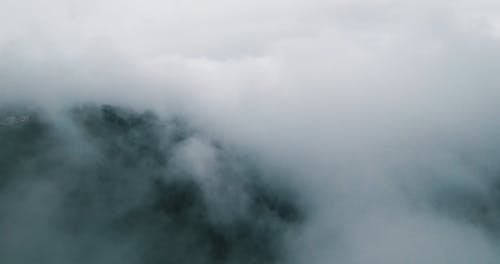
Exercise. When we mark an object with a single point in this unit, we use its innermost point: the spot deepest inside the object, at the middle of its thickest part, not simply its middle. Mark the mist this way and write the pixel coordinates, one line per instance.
(249, 132)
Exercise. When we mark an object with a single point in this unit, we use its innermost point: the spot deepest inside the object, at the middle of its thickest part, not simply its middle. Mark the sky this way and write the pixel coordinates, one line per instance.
(385, 112)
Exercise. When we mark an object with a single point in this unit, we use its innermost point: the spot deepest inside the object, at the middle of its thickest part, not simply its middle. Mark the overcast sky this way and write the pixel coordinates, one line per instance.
(376, 105)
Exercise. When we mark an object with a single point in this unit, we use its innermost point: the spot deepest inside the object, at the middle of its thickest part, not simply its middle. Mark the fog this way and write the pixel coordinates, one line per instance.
(249, 131)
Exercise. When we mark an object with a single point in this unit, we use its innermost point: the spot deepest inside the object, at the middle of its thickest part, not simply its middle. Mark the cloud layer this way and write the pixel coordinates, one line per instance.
(384, 112)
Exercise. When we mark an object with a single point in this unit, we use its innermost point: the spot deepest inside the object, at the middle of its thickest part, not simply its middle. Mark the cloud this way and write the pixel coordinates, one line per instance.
(385, 111)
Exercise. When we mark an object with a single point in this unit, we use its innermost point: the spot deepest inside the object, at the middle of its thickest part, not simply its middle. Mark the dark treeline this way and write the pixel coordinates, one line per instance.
(102, 184)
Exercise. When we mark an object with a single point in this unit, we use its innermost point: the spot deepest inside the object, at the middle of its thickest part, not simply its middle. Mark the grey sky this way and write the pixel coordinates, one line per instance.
(378, 106)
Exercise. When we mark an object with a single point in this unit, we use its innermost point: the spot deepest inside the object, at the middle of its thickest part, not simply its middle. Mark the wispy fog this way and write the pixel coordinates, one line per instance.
(249, 131)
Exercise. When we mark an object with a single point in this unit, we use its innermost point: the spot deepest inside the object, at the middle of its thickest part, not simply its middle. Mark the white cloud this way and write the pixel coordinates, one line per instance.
(357, 97)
